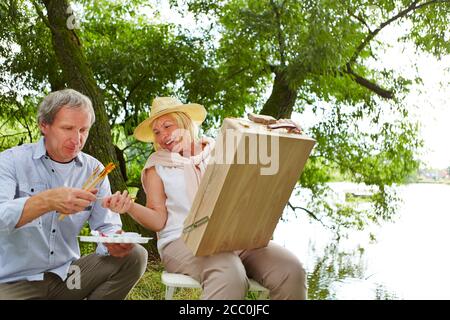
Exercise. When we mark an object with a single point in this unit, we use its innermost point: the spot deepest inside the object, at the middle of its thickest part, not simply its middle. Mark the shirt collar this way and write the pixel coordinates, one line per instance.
(40, 151)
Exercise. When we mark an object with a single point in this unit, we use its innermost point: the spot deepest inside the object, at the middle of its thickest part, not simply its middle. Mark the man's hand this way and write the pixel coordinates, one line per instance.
(70, 200)
(64, 200)
(119, 250)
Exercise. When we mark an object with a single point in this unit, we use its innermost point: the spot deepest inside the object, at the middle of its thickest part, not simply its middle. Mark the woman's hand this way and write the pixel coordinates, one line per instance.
(118, 202)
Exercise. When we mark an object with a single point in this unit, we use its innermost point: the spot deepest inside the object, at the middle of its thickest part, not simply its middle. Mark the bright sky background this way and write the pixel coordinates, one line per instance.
(428, 102)
(433, 109)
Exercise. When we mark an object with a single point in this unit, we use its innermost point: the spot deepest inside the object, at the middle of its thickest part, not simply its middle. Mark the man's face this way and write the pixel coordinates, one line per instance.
(66, 136)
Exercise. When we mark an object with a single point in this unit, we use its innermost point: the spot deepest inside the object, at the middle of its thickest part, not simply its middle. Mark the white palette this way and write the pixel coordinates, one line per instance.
(127, 237)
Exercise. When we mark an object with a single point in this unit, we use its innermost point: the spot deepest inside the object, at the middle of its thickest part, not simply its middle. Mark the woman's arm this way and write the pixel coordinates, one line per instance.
(154, 215)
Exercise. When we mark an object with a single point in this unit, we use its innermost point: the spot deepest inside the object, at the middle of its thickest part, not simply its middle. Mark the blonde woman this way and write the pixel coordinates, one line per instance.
(171, 178)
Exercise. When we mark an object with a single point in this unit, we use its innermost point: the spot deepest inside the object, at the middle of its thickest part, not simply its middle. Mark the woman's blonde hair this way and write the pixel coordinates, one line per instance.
(183, 122)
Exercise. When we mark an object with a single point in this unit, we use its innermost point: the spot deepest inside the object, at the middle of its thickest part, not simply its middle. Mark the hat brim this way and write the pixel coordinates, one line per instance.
(144, 131)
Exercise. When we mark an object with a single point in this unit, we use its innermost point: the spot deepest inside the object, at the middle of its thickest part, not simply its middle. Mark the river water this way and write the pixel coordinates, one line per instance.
(409, 260)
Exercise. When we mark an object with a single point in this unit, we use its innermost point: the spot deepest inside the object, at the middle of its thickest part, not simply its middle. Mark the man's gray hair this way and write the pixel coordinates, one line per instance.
(63, 98)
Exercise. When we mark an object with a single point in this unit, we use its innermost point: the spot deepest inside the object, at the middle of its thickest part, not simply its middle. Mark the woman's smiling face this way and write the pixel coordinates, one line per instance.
(165, 130)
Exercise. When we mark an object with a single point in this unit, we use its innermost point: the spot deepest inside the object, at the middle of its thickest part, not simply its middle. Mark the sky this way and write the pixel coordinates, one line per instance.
(433, 109)
(436, 122)
(427, 103)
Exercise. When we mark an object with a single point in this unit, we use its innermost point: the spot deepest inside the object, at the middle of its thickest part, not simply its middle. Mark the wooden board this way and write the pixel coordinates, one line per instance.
(239, 205)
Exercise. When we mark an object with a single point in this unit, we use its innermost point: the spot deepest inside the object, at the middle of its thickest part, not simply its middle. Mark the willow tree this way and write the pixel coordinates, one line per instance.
(317, 55)
(319, 47)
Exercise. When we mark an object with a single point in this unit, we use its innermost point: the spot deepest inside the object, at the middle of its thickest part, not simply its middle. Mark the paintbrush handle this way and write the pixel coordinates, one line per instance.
(91, 182)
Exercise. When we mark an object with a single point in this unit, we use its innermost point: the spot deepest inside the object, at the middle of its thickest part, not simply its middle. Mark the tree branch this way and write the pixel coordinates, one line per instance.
(137, 84)
(281, 40)
(273, 68)
(231, 76)
(25, 126)
(372, 86)
(413, 6)
(431, 2)
(12, 134)
(41, 15)
(9, 118)
(119, 97)
(360, 19)
(388, 94)
(307, 211)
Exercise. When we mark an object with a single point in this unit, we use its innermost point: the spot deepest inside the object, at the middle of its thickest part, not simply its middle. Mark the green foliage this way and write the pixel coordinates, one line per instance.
(17, 121)
(316, 41)
(135, 59)
(150, 287)
(327, 49)
(430, 29)
(29, 60)
(86, 247)
(378, 153)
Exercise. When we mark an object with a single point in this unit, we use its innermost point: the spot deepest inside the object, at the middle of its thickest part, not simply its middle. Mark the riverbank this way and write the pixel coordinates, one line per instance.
(412, 247)
(432, 181)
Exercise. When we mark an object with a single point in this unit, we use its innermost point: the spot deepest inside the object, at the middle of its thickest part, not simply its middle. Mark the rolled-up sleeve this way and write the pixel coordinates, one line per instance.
(10, 209)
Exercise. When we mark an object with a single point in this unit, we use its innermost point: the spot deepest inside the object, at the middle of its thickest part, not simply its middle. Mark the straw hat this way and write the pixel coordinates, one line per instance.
(165, 105)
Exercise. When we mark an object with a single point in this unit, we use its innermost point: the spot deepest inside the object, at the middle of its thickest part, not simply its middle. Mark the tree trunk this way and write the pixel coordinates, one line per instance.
(78, 75)
(151, 246)
(282, 99)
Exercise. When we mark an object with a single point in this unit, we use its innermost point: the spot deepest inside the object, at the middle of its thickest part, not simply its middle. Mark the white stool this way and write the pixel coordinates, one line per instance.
(178, 280)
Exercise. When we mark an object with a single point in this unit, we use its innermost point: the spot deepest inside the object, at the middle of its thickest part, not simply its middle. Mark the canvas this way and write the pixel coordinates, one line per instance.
(246, 185)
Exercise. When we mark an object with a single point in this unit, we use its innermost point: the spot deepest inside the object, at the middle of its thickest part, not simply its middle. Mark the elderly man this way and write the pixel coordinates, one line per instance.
(38, 182)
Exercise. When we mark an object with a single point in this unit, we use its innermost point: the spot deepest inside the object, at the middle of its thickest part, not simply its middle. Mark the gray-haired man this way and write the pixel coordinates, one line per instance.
(39, 181)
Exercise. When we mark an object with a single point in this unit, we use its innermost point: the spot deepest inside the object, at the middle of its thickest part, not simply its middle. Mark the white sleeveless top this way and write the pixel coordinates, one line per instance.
(174, 171)
(177, 204)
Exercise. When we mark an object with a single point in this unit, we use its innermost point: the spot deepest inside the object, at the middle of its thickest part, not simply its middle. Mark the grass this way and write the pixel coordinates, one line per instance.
(150, 287)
